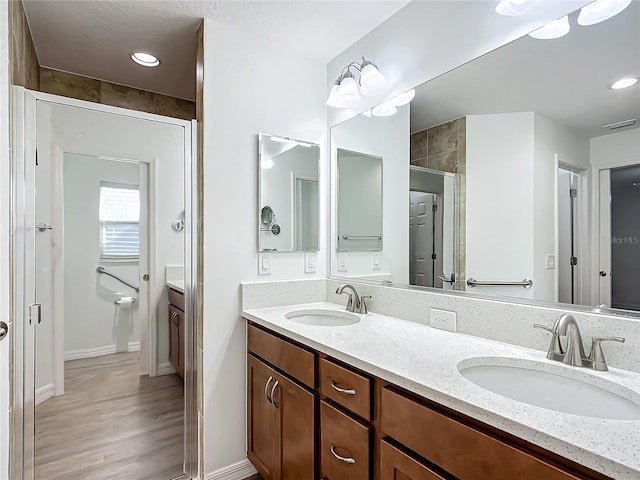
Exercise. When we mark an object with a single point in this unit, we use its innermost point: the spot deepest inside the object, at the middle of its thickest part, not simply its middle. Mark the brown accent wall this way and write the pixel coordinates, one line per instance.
(92, 90)
(444, 148)
(22, 54)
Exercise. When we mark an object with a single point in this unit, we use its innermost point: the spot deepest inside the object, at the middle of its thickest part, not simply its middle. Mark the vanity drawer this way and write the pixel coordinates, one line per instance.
(458, 448)
(344, 437)
(176, 299)
(346, 387)
(296, 361)
(397, 465)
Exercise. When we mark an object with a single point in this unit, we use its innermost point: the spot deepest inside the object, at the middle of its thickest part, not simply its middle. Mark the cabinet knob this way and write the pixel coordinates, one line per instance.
(266, 389)
(273, 392)
(348, 391)
(349, 460)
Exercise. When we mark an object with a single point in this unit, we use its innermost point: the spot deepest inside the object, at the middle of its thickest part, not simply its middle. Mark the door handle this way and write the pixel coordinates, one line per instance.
(4, 329)
(273, 393)
(603, 273)
(266, 389)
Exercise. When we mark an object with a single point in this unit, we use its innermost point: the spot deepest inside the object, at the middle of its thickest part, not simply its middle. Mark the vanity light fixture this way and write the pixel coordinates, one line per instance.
(601, 10)
(275, 138)
(403, 98)
(623, 83)
(385, 109)
(346, 91)
(556, 29)
(145, 59)
(512, 8)
(267, 164)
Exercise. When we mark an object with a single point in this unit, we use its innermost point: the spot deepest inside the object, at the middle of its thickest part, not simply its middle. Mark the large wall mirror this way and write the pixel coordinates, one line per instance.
(288, 209)
(516, 174)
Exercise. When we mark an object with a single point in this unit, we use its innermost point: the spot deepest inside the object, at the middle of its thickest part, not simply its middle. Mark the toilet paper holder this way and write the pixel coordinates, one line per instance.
(120, 302)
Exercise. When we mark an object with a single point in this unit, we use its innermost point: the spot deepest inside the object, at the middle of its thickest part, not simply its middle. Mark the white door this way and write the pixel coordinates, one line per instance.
(604, 274)
(567, 258)
(421, 238)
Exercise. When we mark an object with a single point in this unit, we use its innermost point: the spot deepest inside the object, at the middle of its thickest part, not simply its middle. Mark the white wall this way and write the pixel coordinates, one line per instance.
(91, 319)
(427, 39)
(500, 232)
(88, 132)
(615, 149)
(386, 137)
(551, 138)
(4, 239)
(278, 191)
(260, 90)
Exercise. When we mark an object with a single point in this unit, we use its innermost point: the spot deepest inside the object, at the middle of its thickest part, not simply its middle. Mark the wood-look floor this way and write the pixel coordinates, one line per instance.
(111, 424)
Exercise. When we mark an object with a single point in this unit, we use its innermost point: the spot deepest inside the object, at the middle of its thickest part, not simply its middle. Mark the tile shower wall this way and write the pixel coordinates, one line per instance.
(22, 53)
(444, 148)
(92, 90)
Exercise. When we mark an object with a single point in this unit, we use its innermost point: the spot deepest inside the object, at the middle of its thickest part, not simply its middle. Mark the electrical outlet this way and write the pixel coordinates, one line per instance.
(443, 319)
(310, 262)
(264, 264)
(342, 262)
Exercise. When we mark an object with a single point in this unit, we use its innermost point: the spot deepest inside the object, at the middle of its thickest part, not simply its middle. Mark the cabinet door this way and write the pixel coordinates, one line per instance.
(180, 360)
(397, 465)
(174, 337)
(261, 418)
(295, 431)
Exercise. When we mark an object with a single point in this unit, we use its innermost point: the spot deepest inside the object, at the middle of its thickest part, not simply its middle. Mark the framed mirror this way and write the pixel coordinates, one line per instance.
(288, 194)
(515, 175)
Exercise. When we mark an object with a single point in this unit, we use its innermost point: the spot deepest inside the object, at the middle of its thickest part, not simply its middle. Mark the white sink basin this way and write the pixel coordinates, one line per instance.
(324, 318)
(549, 386)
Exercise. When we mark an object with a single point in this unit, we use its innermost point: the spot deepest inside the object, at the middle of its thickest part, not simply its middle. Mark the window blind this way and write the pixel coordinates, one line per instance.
(119, 222)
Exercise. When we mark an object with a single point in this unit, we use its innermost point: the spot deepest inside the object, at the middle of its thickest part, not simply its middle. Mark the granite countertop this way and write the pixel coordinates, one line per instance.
(176, 285)
(424, 360)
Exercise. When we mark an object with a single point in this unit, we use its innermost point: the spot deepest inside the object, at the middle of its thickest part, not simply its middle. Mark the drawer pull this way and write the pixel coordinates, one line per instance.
(273, 392)
(348, 391)
(349, 460)
(174, 315)
(266, 389)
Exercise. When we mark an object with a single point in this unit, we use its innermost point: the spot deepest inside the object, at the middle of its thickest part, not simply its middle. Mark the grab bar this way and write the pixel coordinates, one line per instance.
(102, 270)
(361, 237)
(526, 283)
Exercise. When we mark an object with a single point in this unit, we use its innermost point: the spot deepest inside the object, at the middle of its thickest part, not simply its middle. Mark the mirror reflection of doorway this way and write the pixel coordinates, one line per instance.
(431, 228)
(620, 237)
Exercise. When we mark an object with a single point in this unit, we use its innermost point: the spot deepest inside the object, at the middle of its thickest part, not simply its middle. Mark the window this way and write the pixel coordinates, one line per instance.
(119, 222)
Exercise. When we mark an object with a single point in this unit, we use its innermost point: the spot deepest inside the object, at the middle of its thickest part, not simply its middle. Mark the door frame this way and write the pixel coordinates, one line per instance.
(595, 222)
(23, 158)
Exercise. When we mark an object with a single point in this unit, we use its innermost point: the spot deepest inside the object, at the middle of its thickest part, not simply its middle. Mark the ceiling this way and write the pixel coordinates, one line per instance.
(565, 79)
(96, 38)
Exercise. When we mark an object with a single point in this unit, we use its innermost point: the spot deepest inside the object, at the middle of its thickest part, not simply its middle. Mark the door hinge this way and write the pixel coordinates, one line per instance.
(435, 207)
(38, 315)
(36, 158)
(573, 261)
(573, 192)
(433, 256)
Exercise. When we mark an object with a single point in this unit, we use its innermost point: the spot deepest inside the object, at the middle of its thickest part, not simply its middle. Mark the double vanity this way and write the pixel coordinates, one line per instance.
(337, 395)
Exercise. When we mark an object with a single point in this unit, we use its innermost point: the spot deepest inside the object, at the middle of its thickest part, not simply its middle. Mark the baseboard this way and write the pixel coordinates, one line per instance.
(166, 369)
(237, 471)
(98, 352)
(44, 393)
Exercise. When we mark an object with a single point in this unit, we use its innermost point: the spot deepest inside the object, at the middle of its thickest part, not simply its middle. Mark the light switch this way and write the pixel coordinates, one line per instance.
(342, 262)
(375, 261)
(310, 262)
(551, 262)
(264, 264)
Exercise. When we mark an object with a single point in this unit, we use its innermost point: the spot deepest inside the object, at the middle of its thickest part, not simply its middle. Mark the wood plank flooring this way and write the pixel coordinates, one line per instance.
(111, 424)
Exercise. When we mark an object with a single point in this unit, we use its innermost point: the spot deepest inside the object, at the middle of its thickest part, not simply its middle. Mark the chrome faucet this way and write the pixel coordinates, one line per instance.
(573, 354)
(355, 304)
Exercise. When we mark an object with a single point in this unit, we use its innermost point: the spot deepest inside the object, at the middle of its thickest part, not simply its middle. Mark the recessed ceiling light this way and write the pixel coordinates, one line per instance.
(601, 10)
(556, 29)
(624, 83)
(145, 59)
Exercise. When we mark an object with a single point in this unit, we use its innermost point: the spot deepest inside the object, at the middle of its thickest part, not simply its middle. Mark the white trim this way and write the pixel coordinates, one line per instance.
(99, 351)
(72, 102)
(237, 471)
(165, 369)
(45, 393)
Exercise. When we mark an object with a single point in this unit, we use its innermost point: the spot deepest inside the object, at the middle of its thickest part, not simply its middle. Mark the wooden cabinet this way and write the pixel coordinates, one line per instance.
(368, 429)
(176, 331)
(281, 414)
